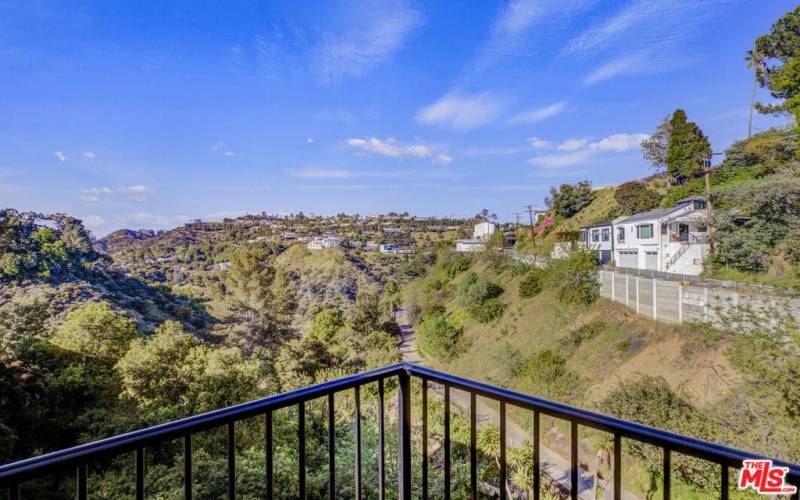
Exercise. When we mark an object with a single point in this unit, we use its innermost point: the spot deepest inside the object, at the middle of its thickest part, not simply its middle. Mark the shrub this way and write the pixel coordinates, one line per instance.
(456, 265)
(636, 196)
(439, 338)
(574, 278)
(547, 372)
(570, 199)
(531, 284)
(478, 296)
(585, 332)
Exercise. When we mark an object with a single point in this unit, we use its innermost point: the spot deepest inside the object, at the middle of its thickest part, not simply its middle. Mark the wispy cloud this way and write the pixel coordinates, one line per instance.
(389, 147)
(152, 221)
(89, 155)
(462, 112)
(572, 144)
(580, 151)
(380, 31)
(537, 143)
(93, 222)
(629, 64)
(539, 114)
(138, 192)
(222, 148)
(443, 159)
(60, 156)
(494, 151)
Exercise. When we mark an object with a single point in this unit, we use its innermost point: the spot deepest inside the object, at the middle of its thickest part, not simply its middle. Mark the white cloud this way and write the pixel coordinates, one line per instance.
(321, 173)
(444, 159)
(229, 153)
(462, 112)
(537, 143)
(60, 155)
(91, 155)
(138, 192)
(638, 62)
(155, 221)
(222, 148)
(389, 147)
(373, 37)
(619, 142)
(539, 114)
(309, 140)
(93, 221)
(561, 160)
(579, 151)
(572, 144)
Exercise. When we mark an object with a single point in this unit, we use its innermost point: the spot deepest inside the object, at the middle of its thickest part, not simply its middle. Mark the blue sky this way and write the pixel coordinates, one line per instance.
(146, 114)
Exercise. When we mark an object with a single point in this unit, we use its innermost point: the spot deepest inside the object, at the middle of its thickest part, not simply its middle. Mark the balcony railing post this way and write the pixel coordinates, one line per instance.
(331, 448)
(381, 444)
(404, 435)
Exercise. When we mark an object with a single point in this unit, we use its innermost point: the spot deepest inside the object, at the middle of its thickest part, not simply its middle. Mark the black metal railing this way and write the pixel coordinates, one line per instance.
(78, 458)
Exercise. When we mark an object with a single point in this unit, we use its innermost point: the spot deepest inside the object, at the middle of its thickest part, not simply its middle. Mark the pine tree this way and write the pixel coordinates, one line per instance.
(686, 149)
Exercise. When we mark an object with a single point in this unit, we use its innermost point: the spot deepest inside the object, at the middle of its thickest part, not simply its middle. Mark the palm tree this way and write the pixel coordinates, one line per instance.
(757, 64)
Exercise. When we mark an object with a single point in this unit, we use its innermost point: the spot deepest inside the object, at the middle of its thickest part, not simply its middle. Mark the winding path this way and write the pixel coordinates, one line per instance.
(554, 465)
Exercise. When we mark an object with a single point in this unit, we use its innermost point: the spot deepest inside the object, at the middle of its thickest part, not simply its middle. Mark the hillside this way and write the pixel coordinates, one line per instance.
(592, 355)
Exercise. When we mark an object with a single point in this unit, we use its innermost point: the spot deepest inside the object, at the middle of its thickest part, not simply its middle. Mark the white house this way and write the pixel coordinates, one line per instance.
(470, 246)
(388, 249)
(672, 239)
(483, 231)
(597, 237)
(327, 242)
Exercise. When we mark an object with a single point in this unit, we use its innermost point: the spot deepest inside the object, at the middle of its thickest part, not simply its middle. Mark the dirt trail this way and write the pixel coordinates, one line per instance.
(553, 464)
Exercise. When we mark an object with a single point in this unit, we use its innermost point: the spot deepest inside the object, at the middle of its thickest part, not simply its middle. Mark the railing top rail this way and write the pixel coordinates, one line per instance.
(122, 443)
(675, 442)
(43, 464)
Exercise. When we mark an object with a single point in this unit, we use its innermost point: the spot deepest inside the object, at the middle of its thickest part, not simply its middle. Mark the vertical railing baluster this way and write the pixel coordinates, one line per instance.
(447, 467)
(573, 455)
(231, 451)
(331, 448)
(404, 435)
(381, 450)
(424, 439)
(82, 478)
(617, 467)
(268, 475)
(301, 450)
(473, 448)
(503, 468)
(358, 442)
(187, 467)
(537, 464)
(724, 476)
(667, 470)
(13, 491)
(139, 473)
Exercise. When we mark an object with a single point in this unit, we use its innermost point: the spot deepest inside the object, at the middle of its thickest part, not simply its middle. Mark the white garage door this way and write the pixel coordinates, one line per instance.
(651, 260)
(628, 259)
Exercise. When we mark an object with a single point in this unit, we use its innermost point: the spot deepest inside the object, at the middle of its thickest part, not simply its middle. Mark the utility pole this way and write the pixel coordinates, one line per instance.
(530, 209)
(517, 214)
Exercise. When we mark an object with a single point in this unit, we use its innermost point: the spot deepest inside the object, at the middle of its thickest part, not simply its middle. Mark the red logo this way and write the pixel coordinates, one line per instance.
(764, 478)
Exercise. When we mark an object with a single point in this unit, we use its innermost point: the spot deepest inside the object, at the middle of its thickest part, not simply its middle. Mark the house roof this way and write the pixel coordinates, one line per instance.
(597, 224)
(691, 198)
(651, 214)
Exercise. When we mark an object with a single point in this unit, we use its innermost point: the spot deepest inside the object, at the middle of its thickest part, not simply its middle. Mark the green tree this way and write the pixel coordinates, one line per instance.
(326, 325)
(438, 337)
(531, 284)
(635, 196)
(365, 315)
(569, 199)
(96, 333)
(574, 278)
(654, 148)
(778, 52)
(686, 149)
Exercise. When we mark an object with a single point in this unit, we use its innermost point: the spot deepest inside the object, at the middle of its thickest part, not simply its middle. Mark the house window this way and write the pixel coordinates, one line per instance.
(644, 232)
(702, 228)
(620, 234)
(595, 235)
(700, 205)
(664, 228)
(606, 234)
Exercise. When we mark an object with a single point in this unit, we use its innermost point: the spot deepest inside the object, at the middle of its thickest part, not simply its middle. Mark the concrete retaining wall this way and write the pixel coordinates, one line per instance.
(678, 302)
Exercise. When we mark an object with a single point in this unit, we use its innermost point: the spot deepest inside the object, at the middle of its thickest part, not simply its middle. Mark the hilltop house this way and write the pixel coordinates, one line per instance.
(480, 235)
(327, 242)
(388, 249)
(671, 239)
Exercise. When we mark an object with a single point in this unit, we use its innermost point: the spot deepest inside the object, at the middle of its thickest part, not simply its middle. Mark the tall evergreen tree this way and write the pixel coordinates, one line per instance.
(779, 52)
(686, 149)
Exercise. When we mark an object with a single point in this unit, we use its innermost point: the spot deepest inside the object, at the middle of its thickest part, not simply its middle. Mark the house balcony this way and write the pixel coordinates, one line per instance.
(403, 469)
